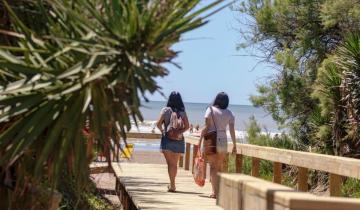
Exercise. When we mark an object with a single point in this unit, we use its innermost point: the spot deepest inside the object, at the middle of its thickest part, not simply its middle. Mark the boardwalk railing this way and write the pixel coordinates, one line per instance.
(337, 167)
(241, 192)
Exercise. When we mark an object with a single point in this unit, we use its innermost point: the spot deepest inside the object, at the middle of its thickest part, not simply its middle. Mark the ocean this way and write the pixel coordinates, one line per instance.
(195, 111)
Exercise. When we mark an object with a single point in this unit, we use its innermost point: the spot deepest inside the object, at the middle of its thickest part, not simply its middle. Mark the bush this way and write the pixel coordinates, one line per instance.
(256, 137)
(351, 188)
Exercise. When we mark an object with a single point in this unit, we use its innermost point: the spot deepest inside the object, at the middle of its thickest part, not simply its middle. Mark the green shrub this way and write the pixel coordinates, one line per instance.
(256, 137)
(351, 188)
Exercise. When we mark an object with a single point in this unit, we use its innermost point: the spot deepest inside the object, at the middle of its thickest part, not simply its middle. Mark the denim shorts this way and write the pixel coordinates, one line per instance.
(176, 146)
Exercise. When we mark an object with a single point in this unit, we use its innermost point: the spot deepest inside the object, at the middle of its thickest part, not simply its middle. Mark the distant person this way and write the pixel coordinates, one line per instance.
(218, 118)
(191, 130)
(173, 122)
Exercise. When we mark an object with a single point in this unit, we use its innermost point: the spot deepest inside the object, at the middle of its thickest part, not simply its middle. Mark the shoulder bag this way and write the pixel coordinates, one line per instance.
(210, 138)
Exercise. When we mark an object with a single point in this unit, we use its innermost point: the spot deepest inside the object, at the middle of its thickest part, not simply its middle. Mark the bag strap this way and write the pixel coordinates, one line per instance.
(212, 117)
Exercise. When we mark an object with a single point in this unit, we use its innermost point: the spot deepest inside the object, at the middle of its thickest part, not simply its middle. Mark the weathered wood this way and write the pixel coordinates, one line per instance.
(348, 167)
(195, 150)
(302, 178)
(99, 167)
(143, 135)
(99, 170)
(277, 169)
(238, 163)
(145, 186)
(192, 140)
(181, 161)
(230, 190)
(335, 184)
(255, 167)
(242, 192)
(187, 156)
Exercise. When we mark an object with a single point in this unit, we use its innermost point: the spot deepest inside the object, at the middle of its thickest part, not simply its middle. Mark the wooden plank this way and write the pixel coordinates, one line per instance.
(255, 167)
(302, 179)
(146, 186)
(335, 184)
(133, 135)
(230, 190)
(242, 192)
(194, 152)
(99, 167)
(192, 139)
(238, 163)
(99, 170)
(349, 167)
(187, 156)
(277, 169)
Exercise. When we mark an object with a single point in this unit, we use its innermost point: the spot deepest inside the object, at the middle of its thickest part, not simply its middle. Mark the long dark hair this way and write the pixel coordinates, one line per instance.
(221, 100)
(175, 102)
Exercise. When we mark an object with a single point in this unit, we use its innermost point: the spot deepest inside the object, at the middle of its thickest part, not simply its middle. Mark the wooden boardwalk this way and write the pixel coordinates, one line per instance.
(146, 186)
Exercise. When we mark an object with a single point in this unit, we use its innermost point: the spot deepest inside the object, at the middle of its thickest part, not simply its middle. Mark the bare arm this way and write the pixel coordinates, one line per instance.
(232, 134)
(159, 123)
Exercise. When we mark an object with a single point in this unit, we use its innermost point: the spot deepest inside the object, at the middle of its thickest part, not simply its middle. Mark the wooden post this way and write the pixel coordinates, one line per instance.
(117, 186)
(302, 179)
(195, 149)
(238, 163)
(225, 167)
(277, 168)
(181, 161)
(335, 184)
(187, 156)
(255, 166)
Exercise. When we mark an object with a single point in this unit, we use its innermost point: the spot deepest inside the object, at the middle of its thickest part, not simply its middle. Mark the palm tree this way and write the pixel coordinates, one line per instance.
(349, 62)
(77, 81)
(338, 89)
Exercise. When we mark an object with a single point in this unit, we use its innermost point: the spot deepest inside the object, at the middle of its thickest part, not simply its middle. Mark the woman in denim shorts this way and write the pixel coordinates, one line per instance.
(172, 148)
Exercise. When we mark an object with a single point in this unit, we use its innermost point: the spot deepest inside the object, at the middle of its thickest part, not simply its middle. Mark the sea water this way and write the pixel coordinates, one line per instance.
(195, 112)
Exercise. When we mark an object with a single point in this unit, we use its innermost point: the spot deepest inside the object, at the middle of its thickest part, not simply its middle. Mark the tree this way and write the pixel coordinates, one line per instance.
(76, 80)
(297, 35)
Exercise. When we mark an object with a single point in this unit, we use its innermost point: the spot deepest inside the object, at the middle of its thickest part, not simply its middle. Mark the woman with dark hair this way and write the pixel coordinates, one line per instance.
(217, 118)
(173, 122)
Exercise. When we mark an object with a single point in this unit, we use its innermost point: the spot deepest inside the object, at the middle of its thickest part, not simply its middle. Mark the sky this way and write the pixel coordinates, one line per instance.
(211, 63)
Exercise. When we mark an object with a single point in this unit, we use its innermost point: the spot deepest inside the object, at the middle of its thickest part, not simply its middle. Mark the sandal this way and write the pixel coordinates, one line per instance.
(170, 189)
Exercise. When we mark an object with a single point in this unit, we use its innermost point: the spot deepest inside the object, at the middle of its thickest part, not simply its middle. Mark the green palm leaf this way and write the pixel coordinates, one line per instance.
(90, 62)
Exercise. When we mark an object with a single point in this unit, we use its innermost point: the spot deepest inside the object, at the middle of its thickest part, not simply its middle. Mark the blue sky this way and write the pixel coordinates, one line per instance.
(210, 65)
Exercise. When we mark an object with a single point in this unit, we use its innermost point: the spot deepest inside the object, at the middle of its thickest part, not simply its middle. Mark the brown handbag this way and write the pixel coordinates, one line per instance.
(210, 139)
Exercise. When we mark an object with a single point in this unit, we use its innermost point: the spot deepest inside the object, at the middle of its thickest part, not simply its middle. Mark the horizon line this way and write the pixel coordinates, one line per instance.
(199, 103)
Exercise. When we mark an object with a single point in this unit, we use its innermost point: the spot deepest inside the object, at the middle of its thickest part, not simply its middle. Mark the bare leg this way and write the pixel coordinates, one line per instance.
(172, 160)
(216, 162)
